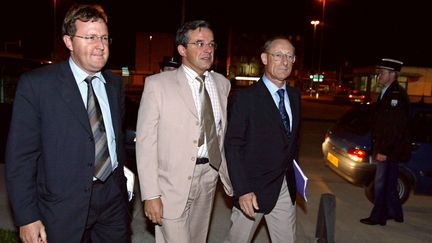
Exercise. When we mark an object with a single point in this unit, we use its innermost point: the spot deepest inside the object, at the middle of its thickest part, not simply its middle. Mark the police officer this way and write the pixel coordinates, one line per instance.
(391, 143)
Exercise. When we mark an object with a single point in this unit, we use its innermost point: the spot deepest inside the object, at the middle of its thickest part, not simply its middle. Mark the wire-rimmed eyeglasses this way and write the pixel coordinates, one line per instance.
(94, 38)
(279, 56)
(202, 44)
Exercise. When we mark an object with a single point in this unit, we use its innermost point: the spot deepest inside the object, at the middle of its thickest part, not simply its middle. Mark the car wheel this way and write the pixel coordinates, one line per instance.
(403, 187)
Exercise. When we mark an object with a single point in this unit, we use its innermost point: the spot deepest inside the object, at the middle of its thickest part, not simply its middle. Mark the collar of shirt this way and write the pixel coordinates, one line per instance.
(272, 88)
(192, 75)
(80, 74)
(194, 84)
(383, 90)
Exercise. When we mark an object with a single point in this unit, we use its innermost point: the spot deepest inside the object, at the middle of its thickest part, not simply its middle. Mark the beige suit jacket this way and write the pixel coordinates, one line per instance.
(167, 135)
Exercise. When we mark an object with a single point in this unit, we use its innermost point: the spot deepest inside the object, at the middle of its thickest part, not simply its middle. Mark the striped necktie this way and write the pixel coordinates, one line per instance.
(208, 127)
(103, 167)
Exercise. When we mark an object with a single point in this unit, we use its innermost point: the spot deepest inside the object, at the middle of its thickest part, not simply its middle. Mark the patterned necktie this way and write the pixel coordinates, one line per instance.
(282, 111)
(208, 127)
(103, 167)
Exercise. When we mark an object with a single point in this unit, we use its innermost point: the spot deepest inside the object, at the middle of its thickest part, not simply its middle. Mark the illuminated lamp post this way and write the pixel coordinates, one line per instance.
(322, 35)
(314, 23)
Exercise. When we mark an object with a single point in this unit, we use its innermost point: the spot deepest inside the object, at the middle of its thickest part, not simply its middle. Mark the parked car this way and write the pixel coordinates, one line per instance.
(347, 151)
(351, 96)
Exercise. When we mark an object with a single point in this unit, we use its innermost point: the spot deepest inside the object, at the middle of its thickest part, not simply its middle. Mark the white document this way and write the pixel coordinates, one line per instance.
(130, 176)
(301, 180)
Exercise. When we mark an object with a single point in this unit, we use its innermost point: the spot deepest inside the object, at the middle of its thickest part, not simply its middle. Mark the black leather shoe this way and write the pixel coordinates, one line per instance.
(369, 221)
(399, 220)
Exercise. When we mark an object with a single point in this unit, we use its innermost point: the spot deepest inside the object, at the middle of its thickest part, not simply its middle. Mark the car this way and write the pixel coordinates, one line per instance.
(323, 88)
(347, 151)
(351, 96)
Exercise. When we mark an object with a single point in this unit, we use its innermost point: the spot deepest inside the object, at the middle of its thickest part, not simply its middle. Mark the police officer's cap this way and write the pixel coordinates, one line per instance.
(390, 64)
(170, 62)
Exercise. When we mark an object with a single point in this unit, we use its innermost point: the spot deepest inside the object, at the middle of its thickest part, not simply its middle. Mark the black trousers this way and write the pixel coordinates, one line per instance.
(108, 218)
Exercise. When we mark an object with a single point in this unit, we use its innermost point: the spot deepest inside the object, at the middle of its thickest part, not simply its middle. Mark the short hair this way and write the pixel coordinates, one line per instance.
(84, 13)
(182, 36)
(268, 43)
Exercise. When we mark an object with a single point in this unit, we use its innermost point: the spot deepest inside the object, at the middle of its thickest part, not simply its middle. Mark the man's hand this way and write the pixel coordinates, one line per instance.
(381, 157)
(33, 233)
(248, 204)
(153, 209)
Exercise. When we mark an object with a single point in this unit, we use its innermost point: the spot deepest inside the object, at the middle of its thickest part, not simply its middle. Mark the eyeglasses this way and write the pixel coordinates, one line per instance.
(279, 56)
(94, 38)
(201, 44)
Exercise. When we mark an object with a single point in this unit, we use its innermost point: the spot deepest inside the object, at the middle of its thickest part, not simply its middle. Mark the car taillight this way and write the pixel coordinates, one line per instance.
(357, 154)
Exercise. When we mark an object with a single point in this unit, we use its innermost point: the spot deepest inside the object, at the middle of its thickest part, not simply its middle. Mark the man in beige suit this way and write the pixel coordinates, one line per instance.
(177, 181)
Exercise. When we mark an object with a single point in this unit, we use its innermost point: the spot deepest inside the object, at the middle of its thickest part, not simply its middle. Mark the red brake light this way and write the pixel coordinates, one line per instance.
(358, 154)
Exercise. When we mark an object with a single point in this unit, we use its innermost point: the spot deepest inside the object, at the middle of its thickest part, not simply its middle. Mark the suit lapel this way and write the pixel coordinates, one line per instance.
(268, 105)
(222, 99)
(185, 91)
(112, 96)
(69, 90)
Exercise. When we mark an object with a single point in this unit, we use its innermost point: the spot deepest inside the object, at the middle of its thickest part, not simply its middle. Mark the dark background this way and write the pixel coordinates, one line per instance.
(356, 31)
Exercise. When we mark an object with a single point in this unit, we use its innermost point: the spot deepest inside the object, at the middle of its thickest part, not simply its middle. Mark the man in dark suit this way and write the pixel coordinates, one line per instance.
(59, 191)
(391, 143)
(261, 144)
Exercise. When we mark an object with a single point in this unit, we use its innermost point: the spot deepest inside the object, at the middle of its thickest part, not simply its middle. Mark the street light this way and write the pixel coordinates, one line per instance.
(322, 35)
(314, 23)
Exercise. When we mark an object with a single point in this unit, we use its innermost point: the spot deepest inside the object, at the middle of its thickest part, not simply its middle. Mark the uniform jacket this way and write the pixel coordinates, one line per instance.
(391, 133)
(168, 130)
(259, 152)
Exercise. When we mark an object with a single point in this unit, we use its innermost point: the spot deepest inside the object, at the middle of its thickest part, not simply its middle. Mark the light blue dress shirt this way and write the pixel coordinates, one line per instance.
(273, 91)
(100, 91)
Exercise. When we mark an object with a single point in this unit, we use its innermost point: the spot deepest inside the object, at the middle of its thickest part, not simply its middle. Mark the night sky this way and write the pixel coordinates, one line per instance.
(356, 31)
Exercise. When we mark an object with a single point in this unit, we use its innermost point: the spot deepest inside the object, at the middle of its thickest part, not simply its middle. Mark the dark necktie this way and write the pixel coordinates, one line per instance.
(208, 127)
(282, 111)
(103, 167)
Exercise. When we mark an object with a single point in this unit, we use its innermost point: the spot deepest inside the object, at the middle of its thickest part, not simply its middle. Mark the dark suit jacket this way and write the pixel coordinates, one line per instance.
(391, 133)
(259, 153)
(50, 151)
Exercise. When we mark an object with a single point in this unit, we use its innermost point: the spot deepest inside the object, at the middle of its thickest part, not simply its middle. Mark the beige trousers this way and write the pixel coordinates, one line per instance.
(193, 225)
(281, 222)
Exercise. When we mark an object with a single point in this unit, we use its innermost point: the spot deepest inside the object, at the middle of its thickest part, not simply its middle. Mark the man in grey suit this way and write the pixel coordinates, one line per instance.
(178, 170)
(65, 127)
(261, 144)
